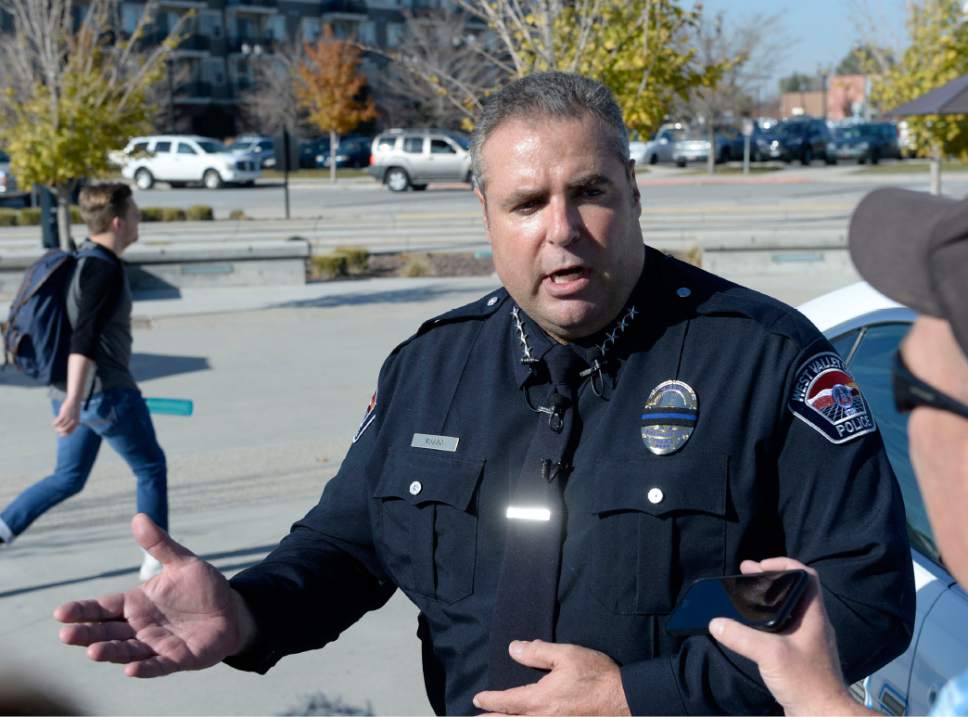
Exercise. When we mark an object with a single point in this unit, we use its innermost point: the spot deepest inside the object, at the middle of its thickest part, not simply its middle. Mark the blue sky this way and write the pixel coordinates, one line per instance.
(821, 31)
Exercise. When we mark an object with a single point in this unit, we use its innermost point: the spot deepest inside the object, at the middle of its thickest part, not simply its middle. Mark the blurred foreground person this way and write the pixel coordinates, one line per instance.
(913, 247)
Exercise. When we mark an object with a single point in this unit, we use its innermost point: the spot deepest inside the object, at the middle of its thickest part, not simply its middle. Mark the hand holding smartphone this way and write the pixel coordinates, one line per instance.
(765, 601)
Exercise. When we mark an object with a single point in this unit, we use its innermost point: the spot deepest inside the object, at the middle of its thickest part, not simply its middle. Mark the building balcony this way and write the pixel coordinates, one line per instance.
(245, 45)
(355, 8)
(252, 6)
(193, 43)
(183, 4)
(195, 89)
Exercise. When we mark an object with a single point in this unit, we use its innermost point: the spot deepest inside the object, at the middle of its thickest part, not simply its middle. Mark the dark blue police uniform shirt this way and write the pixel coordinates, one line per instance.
(751, 482)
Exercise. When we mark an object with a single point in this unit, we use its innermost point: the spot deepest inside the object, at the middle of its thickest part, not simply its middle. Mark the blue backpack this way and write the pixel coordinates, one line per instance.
(37, 333)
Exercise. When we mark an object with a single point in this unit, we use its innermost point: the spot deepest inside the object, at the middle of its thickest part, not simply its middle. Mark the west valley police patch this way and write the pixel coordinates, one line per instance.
(826, 398)
(368, 418)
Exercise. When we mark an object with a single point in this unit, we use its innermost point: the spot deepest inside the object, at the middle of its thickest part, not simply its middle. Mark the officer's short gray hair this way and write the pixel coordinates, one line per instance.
(555, 95)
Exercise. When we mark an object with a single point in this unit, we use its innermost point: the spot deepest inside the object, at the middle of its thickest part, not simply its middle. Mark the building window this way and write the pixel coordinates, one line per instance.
(367, 33)
(311, 29)
(130, 17)
(394, 33)
(277, 28)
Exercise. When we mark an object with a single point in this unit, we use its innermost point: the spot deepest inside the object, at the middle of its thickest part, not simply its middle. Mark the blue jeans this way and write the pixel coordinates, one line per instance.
(120, 416)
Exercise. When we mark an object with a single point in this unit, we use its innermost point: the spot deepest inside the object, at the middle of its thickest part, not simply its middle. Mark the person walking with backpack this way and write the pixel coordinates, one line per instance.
(99, 398)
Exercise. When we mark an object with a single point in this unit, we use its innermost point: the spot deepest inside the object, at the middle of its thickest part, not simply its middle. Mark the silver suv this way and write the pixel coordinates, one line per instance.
(411, 158)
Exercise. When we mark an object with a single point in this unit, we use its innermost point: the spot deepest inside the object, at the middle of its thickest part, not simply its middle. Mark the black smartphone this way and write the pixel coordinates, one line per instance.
(765, 601)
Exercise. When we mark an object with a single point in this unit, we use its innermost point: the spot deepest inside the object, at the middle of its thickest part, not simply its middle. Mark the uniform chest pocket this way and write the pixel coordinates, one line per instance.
(656, 525)
(428, 522)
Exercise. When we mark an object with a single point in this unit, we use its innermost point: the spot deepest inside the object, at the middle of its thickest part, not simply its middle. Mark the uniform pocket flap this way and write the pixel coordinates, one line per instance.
(659, 486)
(420, 476)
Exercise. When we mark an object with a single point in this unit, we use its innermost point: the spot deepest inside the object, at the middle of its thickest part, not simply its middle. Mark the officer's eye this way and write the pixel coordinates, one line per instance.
(528, 206)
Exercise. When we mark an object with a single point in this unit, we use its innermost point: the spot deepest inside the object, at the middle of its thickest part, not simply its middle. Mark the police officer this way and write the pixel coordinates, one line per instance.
(542, 471)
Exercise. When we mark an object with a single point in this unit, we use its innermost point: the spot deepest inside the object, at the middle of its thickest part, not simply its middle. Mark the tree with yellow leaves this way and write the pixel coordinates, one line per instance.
(71, 95)
(329, 85)
(641, 50)
(937, 54)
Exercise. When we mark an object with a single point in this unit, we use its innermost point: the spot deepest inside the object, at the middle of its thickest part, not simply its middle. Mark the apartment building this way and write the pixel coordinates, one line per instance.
(214, 65)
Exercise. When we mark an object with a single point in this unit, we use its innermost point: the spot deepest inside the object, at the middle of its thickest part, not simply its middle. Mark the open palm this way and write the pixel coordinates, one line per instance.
(186, 618)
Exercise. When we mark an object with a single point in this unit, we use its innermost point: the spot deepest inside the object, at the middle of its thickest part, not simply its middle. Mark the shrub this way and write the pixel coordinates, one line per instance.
(329, 266)
(237, 215)
(357, 258)
(151, 214)
(416, 265)
(76, 217)
(200, 213)
(172, 214)
(8, 218)
(28, 217)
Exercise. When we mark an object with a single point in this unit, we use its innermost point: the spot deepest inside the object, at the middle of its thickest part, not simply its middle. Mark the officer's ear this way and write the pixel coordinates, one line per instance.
(634, 185)
(483, 200)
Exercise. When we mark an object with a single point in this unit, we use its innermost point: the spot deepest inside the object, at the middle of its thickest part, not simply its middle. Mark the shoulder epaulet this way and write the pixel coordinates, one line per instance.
(713, 295)
(479, 309)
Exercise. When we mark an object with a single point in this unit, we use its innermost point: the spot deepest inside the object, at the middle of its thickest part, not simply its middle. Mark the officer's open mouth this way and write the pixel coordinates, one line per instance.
(568, 274)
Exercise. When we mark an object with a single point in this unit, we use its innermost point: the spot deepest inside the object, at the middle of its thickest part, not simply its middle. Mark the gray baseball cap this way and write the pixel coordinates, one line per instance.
(913, 247)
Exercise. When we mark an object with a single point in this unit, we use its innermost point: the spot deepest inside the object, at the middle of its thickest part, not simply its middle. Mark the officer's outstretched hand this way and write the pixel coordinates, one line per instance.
(800, 666)
(580, 682)
(185, 618)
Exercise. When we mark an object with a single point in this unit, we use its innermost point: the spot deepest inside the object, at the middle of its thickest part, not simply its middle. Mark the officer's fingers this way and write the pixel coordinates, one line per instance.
(537, 653)
(785, 563)
(157, 542)
(515, 701)
(749, 567)
(109, 607)
(120, 651)
(753, 644)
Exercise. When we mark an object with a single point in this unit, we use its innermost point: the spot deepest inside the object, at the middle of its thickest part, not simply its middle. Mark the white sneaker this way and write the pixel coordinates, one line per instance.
(150, 567)
(6, 535)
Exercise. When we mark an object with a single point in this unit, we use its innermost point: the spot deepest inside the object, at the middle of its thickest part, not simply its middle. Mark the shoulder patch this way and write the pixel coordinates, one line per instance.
(368, 417)
(827, 399)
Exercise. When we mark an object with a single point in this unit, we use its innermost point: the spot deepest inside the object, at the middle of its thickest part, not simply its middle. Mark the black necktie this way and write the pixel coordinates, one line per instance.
(525, 606)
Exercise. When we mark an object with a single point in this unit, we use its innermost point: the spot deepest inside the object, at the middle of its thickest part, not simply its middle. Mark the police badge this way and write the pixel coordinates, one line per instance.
(669, 417)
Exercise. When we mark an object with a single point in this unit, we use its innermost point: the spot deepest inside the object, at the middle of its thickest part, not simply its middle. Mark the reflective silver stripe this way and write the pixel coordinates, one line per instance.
(520, 513)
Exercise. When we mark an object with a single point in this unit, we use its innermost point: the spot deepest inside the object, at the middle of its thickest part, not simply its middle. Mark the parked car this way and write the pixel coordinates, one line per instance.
(183, 159)
(805, 139)
(765, 144)
(659, 148)
(865, 328)
(352, 151)
(310, 149)
(694, 146)
(865, 142)
(411, 158)
(10, 193)
(259, 146)
(890, 138)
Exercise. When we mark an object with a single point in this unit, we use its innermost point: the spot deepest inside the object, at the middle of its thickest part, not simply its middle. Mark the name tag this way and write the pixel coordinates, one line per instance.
(435, 443)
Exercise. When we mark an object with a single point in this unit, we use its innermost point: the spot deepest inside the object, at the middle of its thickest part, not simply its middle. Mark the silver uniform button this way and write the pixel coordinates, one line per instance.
(655, 496)
(415, 487)
(492, 301)
(683, 291)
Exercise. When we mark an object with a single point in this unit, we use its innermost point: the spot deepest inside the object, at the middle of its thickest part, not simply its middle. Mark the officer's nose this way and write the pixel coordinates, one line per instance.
(564, 222)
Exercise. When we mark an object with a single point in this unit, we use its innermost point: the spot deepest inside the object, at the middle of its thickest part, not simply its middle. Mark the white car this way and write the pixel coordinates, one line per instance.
(865, 328)
(184, 159)
(659, 148)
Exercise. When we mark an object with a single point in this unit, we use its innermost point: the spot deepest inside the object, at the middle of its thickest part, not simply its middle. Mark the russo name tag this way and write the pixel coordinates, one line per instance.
(435, 443)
